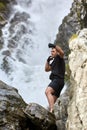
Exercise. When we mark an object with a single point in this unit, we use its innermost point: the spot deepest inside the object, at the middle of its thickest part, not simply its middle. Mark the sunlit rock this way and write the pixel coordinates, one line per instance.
(77, 110)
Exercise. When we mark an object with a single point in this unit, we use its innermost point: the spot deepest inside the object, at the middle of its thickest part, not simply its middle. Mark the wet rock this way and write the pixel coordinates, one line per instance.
(1, 41)
(7, 53)
(8, 1)
(40, 117)
(5, 65)
(20, 17)
(4, 12)
(17, 28)
(3, 22)
(11, 105)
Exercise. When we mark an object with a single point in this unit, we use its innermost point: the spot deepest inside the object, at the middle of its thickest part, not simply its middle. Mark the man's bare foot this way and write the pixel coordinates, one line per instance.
(51, 110)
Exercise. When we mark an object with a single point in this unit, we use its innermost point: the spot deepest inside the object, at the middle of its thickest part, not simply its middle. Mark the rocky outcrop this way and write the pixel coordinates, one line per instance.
(40, 117)
(60, 109)
(77, 110)
(5, 9)
(15, 114)
(76, 20)
(11, 105)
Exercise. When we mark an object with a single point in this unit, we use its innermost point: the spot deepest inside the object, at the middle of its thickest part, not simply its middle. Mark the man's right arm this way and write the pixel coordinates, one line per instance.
(47, 67)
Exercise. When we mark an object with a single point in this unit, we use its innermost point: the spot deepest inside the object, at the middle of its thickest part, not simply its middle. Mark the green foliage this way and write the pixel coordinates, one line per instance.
(74, 36)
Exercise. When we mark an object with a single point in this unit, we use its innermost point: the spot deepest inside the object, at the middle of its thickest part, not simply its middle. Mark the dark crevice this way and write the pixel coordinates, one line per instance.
(81, 122)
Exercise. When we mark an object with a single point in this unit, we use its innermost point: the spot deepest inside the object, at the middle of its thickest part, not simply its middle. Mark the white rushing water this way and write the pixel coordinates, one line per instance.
(41, 28)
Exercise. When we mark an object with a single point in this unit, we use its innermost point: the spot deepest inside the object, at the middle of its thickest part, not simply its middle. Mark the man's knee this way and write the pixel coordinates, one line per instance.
(46, 91)
(49, 90)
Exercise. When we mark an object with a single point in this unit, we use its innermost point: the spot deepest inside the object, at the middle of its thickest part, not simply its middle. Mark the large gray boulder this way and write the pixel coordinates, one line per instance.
(40, 117)
(11, 105)
(15, 114)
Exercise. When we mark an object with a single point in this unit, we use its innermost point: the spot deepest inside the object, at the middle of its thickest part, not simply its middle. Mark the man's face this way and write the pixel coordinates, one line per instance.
(54, 52)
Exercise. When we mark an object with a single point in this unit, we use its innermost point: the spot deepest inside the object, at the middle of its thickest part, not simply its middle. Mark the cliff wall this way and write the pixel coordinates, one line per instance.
(77, 109)
(74, 21)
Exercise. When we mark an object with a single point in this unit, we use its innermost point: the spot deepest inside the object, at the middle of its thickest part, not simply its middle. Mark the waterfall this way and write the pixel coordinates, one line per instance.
(31, 26)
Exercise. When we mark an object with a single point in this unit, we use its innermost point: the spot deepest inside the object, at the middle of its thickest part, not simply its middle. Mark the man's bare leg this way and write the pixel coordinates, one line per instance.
(51, 98)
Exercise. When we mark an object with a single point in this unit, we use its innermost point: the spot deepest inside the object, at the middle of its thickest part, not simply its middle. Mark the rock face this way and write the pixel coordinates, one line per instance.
(76, 20)
(60, 109)
(5, 9)
(16, 115)
(77, 110)
(11, 105)
(40, 117)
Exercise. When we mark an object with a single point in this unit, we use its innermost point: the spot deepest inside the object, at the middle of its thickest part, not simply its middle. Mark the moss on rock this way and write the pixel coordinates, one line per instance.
(74, 36)
(2, 6)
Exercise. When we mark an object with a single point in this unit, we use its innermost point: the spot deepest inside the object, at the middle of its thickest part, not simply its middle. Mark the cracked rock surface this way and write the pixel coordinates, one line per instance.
(40, 117)
(77, 110)
(11, 105)
(74, 21)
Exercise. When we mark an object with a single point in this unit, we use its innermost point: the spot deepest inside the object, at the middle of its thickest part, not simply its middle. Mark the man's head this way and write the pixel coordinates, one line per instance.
(54, 52)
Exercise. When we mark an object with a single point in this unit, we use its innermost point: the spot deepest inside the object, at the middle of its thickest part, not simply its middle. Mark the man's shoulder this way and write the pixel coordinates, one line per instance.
(59, 57)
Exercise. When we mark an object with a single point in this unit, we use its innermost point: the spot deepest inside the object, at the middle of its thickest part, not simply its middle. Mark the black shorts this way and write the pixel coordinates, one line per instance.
(57, 85)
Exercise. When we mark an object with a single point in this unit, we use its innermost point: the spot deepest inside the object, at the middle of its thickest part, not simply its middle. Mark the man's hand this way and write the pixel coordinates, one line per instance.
(50, 45)
(47, 65)
(49, 59)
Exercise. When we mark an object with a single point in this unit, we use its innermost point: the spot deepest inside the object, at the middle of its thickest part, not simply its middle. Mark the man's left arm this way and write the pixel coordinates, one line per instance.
(60, 51)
